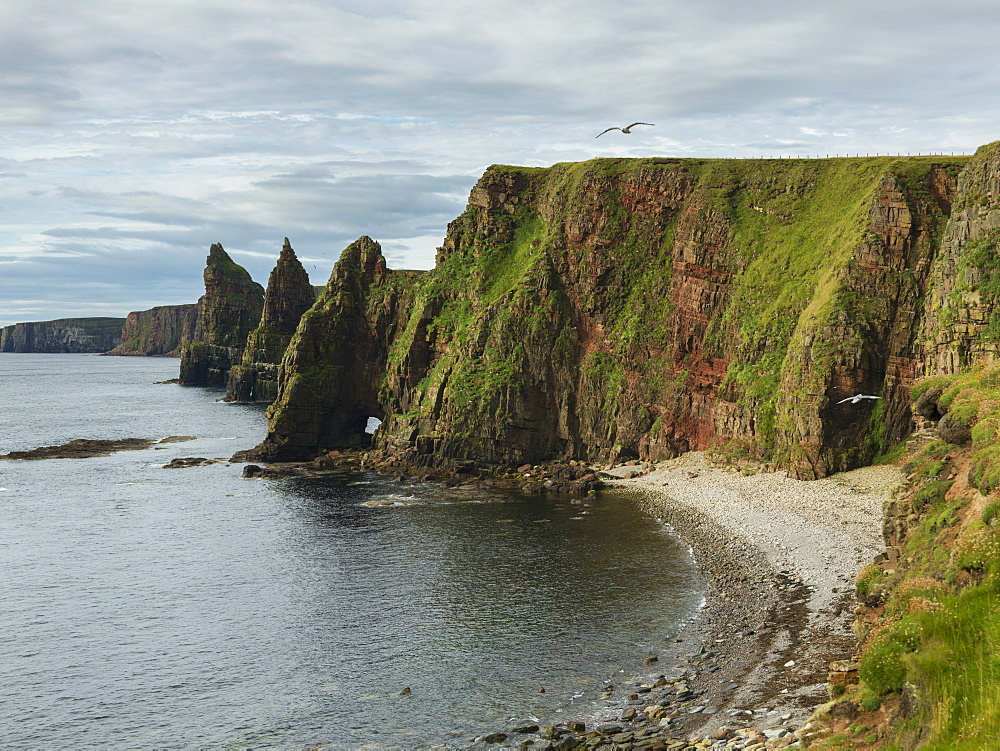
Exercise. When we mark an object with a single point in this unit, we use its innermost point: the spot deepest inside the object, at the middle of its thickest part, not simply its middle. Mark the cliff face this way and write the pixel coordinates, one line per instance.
(328, 383)
(230, 308)
(621, 308)
(76, 335)
(288, 296)
(158, 332)
(962, 313)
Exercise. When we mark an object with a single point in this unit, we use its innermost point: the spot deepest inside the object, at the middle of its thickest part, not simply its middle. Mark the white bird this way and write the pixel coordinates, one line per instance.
(626, 129)
(857, 398)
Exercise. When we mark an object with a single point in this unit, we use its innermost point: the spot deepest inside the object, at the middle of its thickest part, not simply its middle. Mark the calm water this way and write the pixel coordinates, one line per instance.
(142, 606)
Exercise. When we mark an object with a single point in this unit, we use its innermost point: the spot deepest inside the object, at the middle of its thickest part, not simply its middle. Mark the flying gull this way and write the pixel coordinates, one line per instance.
(857, 398)
(626, 129)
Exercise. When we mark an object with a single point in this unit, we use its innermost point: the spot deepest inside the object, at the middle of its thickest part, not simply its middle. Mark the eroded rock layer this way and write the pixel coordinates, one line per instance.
(332, 370)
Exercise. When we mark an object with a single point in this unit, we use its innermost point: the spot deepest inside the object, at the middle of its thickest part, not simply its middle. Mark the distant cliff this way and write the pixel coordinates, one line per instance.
(641, 308)
(76, 335)
(289, 295)
(228, 311)
(158, 332)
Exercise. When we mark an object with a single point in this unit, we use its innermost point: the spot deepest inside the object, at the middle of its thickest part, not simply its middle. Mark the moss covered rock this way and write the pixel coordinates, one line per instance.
(230, 308)
(289, 295)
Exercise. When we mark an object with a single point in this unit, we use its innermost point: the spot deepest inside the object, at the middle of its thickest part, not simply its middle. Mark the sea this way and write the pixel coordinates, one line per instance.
(152, 607)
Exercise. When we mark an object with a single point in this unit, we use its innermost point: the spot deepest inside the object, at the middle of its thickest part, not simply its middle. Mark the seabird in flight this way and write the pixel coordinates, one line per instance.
(626, 129)
(857, 398)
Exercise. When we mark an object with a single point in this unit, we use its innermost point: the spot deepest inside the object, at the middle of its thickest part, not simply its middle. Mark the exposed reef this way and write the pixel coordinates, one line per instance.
(86, 448)
(81, 448)
(228, 311)
(66, 335)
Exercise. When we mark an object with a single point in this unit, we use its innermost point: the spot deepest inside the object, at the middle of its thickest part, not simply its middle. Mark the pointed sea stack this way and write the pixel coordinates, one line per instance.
(289, 295)
(334, 366)
(230, 308)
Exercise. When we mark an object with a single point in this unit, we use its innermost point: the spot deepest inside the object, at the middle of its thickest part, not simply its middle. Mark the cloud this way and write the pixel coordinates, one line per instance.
(136, 136)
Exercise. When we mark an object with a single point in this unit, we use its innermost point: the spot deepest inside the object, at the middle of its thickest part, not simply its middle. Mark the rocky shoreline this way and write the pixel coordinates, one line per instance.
(780, 557)
(87, 448)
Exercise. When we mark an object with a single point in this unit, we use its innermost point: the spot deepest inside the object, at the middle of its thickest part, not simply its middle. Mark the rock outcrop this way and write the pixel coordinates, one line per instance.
(66, 335)
(158, 332)
(642, 308)
(288, 296)
(334, 367)
(228, 311)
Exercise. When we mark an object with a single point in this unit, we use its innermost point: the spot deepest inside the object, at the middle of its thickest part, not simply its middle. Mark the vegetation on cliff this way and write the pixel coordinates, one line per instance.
(158, 332)
(620, 308)
(930, 663)
(335, 362)
(930, 666)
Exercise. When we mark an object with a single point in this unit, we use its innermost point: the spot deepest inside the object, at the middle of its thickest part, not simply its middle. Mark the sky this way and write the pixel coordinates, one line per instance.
(135, 135)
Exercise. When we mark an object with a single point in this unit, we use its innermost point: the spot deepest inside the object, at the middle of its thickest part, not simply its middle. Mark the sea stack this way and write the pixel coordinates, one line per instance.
(289, 295)
(230, 308)
(334, 367)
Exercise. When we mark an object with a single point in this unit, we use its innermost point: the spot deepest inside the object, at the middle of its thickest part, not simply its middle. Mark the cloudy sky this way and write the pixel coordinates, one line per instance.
(134, 135)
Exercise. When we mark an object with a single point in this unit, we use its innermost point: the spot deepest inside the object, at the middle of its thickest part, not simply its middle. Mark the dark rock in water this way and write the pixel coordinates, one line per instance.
(405, 692)
(494, 738)
(190, 461)
(230, 308)
(252, 470)
(81, 448)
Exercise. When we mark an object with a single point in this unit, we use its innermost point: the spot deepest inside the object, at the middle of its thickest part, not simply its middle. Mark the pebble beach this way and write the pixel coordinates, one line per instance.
(780, 557)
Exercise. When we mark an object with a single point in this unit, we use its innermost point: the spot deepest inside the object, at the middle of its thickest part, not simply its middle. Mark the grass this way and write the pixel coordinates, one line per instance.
(938, 633)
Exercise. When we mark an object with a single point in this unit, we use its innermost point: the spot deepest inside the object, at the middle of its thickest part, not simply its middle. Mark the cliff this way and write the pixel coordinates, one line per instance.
(289, 295)
(332, 370)
(928, 673)
(641, 308)
(158, 332)
(77, 335)
(230, 308)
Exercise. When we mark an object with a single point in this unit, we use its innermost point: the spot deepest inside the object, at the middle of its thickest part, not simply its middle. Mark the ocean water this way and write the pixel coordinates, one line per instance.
(193, 608)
